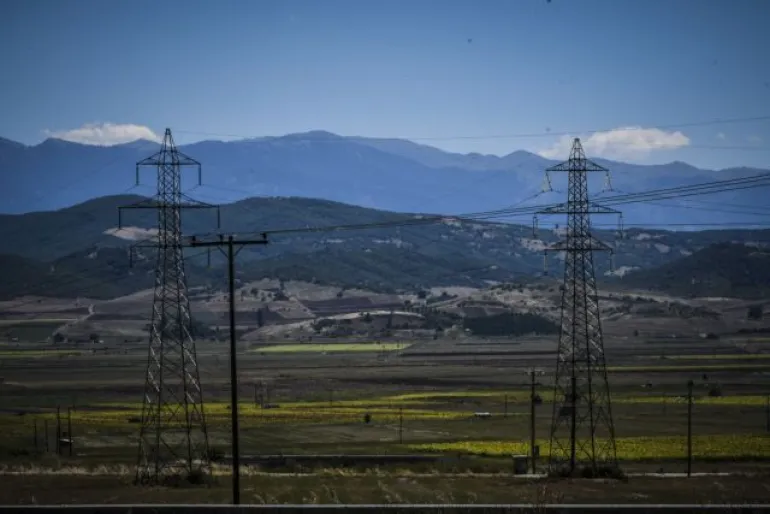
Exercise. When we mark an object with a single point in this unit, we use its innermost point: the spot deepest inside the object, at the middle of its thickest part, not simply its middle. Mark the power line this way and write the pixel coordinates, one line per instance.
(546, 133)
(644, 196)
(711, 187)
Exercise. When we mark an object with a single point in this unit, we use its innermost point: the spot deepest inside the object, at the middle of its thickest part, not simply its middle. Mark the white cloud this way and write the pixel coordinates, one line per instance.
(755, 139)
(721, 136)
(105, 134)
(620, 143)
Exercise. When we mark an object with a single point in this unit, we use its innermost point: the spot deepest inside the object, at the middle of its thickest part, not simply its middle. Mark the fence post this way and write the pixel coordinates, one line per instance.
(401, 425)
(689, 428)
(45, 429)
(34, 432)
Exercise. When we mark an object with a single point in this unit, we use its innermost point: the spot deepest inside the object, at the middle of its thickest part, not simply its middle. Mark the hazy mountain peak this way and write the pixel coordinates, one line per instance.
(313, 135)
(55, 142)
(11, 143)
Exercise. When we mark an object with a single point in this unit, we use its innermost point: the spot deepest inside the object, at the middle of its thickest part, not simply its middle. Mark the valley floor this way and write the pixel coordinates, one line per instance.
(465, 403)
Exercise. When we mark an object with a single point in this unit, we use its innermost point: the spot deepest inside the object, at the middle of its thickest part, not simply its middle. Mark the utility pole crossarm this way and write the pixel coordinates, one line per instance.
(196, 243)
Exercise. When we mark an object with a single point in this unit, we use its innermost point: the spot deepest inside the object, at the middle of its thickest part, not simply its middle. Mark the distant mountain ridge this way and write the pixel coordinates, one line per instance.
(386, 174)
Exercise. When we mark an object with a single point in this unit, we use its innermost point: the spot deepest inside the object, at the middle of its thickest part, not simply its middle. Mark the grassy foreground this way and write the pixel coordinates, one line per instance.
(379, 488)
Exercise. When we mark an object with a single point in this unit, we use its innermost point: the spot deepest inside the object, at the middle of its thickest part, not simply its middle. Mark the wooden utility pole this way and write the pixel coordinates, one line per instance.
(533, 373)
(232, 252)
(532, 419)
(69, 429)
(58, 430)
(689, 428)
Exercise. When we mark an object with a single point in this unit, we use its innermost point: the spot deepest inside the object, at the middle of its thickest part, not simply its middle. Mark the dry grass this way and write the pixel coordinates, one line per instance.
(73, 489)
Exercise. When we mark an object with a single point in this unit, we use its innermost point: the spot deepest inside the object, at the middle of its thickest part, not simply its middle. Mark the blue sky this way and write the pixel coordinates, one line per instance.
(396, 68)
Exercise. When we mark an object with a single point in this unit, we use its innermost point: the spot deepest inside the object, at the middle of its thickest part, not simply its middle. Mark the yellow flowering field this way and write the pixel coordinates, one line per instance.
(747, 400)
(688, 367)
(628, 448)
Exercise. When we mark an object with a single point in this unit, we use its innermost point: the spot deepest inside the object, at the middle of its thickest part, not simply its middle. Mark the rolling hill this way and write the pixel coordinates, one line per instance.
(78, 248)
(723, 269)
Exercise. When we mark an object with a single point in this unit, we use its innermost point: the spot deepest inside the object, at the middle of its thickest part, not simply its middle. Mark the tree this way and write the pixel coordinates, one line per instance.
(756, 312)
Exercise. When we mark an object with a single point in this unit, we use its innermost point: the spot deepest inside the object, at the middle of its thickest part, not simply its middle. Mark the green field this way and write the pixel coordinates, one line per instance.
(332, 348)
(30, 330)
(35, 321)
(734, 356)
(35, 354)
(686, 368)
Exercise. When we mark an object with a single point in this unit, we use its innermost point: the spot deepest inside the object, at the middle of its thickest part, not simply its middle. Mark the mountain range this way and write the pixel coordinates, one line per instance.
(80, 250)
(60, 235)
(384, 174)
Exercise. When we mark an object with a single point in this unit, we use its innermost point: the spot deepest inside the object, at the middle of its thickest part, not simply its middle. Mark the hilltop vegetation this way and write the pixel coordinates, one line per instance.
(723, 269)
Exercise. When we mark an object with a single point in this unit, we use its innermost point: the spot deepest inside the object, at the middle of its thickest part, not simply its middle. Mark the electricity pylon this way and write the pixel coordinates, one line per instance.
(173, 439)
(582, 431)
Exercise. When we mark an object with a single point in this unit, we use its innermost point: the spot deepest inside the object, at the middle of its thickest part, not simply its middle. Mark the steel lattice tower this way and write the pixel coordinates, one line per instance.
(173, 439)
(582, 432)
